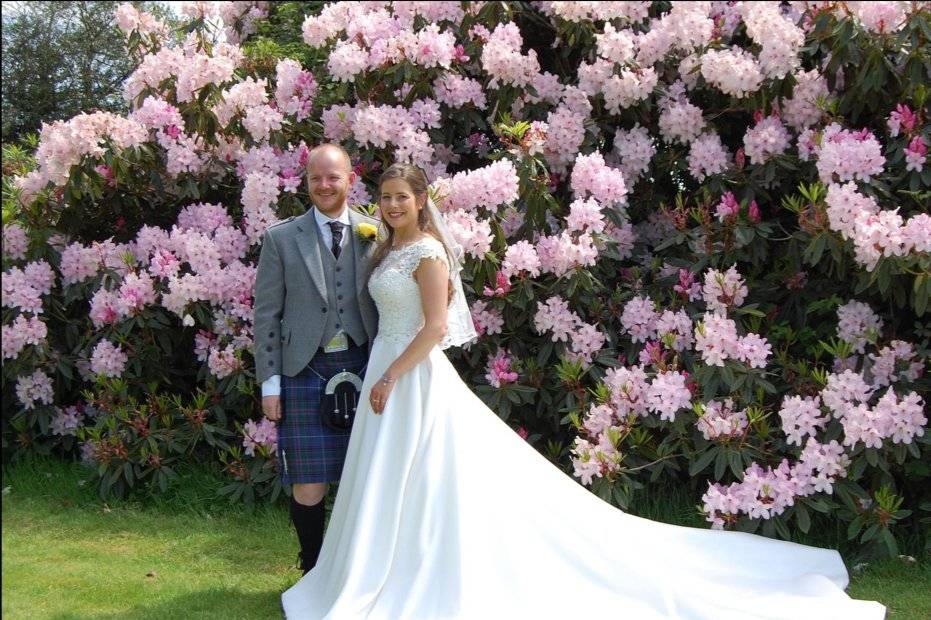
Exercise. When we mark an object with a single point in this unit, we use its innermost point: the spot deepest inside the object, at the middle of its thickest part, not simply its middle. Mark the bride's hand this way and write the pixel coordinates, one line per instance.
(379, 394)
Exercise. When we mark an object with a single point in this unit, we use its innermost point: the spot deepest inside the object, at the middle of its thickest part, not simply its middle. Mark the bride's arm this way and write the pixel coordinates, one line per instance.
(432, 278)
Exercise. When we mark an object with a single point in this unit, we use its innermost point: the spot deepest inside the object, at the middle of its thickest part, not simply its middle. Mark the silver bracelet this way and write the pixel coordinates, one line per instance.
(386, 381)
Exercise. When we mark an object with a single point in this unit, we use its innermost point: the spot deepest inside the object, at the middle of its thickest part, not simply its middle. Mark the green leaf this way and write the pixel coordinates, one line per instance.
(854, 528)
(699, 464)
(736, 463)
(814, 250)
(781, 528)
(720, 464)
(802, 517)
(889, 539)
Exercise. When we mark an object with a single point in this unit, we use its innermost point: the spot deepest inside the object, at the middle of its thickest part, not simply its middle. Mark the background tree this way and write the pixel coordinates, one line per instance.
(62, 58)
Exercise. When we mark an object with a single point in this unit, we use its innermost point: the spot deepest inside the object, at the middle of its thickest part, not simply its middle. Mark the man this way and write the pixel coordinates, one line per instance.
(313, 319)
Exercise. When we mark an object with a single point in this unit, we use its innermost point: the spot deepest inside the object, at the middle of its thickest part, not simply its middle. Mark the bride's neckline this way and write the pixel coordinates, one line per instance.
(408, 244)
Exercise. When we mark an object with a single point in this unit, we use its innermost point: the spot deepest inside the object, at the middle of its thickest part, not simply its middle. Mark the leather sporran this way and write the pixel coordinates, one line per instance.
(339, 401)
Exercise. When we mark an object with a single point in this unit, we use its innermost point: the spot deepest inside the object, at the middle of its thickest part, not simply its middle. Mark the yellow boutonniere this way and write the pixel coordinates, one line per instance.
(367, 231)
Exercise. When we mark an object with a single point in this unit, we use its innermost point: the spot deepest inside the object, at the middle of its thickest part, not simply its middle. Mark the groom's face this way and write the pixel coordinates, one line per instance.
(329, 177)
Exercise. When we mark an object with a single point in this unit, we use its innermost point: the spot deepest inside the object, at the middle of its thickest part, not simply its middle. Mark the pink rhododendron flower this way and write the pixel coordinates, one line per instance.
(901, 118)
(894, 363)
(21, 332)
(721, 421)
(521, 258)
(15, 241)
(66, 421)
(765, 140)
(487, 321)
(263, 434)
(848, 155)
(34, 388)
(498, 369)
(724, 290)
(555, 316)
(801, 416)
(857, 324)
(668, 394)
(591, 176)
(915, 154)
(108, 359)
(639, 319)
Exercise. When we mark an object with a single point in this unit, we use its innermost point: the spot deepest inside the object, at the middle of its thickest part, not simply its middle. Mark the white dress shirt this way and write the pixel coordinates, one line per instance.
(272, 385)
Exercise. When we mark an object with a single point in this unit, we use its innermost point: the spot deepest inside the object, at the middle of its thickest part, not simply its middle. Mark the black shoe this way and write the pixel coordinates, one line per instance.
(301, 564)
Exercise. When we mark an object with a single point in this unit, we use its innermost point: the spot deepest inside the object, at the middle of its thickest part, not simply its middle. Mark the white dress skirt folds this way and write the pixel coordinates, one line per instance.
(443, 511)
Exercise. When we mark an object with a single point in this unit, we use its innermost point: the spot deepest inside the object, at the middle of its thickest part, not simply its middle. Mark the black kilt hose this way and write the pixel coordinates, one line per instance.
(308, 451)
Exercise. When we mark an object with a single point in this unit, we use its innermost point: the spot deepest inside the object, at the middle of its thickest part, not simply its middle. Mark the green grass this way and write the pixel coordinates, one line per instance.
(188, 554)
(67, 555)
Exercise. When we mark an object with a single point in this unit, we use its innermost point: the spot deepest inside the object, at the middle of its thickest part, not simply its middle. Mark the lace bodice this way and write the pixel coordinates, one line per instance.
(396, 293)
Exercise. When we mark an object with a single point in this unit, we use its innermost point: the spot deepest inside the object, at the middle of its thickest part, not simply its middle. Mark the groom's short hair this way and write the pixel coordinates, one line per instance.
(329, 146)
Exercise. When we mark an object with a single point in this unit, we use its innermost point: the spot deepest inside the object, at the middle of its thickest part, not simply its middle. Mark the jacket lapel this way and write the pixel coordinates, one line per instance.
(360, 256)
(309, 247)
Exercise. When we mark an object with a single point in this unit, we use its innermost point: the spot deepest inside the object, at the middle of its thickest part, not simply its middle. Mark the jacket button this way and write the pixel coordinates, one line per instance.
(337, 326)
(268, 349)
(340, 310)
(339, 297)
(339, 284)
(271, 334)
(271, 363)
(338, 269)
(323, 310)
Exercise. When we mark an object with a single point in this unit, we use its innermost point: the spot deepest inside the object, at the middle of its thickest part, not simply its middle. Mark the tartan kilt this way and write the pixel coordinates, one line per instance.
(308, 451)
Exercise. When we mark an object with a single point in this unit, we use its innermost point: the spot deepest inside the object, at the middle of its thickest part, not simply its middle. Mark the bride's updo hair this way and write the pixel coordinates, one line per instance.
(414, 176)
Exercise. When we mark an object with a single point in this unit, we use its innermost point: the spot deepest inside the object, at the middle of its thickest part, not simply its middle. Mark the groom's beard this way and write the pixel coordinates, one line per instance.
(331, 205)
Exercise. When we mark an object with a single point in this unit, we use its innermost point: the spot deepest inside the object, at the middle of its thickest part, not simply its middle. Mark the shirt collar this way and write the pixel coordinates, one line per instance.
(323, 220)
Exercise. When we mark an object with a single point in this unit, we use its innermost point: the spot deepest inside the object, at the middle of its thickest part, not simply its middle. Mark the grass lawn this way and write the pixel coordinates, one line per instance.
(66, 555)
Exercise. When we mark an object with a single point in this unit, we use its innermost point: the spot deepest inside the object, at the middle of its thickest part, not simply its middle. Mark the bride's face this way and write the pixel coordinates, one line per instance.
(399, 205)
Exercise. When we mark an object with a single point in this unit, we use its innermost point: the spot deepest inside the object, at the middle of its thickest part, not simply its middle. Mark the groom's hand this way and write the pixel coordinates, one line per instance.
(271, 407)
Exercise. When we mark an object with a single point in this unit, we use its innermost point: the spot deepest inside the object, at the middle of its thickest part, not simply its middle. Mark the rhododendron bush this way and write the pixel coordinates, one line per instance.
(697, 240)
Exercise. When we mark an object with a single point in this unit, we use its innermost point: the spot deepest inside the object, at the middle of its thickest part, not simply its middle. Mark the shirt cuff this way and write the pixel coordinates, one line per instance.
(272, 386)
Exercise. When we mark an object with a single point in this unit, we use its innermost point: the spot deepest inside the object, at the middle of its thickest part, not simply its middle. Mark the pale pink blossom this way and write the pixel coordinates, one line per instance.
(21, 332)
(765, 140)
(724, 290)
(801, 416)
(848, 155)
(639, 319)
(894, 363)
(34, 388)
(635, 148)
(591, 176)
(15, 241)
(668, 394)
(707, 156)
(66, 421)
(223, 362)
(261, 435)
(521, 258)
(857, 324)
(721, 421)
(487, 320)
(555, 316)
(108, 359)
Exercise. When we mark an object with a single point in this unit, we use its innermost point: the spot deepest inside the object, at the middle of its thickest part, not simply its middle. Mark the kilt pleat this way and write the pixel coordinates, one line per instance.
(308, 451)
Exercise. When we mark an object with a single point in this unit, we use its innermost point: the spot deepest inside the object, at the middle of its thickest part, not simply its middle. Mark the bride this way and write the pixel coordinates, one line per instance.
(444, 512)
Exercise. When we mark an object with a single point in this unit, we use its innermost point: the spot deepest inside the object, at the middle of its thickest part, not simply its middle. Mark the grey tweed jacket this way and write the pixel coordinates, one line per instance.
(291, 296)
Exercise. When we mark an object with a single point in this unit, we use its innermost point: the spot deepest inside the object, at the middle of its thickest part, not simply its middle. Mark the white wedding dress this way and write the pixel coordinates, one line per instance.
(443, 511)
